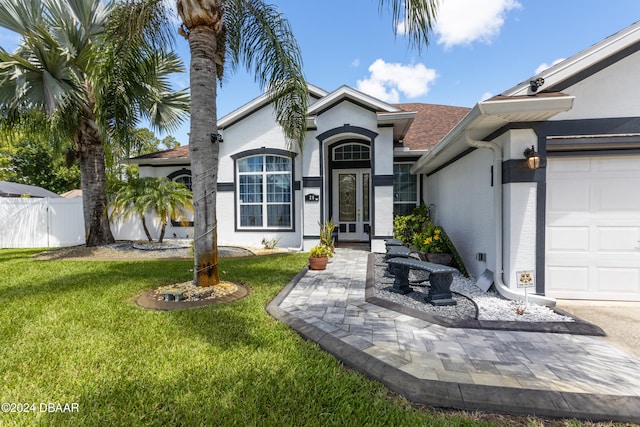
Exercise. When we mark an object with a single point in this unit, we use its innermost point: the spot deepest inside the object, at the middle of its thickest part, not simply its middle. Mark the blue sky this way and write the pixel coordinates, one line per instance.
(479, 48)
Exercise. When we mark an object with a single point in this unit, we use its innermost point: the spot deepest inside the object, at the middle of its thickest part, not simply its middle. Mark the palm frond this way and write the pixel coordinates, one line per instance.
(263, 40)
(169, 110)
(90, 16)
(417, 17)
(136, 22)
(137, 84)
(20, 16)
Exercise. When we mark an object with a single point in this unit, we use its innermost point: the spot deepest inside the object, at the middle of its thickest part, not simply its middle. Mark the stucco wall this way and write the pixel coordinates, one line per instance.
(519, 210)
(461, 199)
(519, 230)
(611, 92)
(259, 130)
(254, 132)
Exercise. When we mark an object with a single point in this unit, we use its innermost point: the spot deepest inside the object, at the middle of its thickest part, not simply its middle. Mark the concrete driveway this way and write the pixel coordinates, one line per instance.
(620, 320)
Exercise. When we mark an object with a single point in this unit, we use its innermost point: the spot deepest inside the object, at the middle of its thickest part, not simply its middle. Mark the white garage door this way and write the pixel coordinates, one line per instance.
(593, 228)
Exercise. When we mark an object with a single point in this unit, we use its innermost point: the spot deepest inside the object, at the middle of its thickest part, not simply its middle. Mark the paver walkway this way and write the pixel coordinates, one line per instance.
(531, 373)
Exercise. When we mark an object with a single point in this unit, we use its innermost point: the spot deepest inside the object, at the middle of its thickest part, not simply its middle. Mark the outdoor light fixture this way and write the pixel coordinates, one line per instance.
(216, 137)
(533, 158)
(536, 84)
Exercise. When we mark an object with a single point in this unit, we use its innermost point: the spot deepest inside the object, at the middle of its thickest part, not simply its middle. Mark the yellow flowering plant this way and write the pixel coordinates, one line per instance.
(431, 240)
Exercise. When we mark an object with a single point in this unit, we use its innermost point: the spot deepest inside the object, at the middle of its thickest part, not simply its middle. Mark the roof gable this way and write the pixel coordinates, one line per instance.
(346, 93)
(259, 103)
(583, 64)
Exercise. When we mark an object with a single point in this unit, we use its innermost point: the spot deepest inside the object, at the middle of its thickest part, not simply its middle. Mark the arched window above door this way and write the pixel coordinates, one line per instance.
(351, 151)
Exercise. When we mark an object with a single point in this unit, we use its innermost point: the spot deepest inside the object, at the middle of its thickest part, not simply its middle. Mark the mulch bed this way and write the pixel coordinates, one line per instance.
(152, 301)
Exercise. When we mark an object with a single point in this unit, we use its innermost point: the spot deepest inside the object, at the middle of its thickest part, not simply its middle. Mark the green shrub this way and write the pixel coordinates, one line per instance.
(326, 233)
(406, 226)
(432, 239)
(320, 250)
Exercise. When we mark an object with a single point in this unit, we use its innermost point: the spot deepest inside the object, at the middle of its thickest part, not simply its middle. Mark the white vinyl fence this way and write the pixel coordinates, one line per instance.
(59, 222)
(41, 222)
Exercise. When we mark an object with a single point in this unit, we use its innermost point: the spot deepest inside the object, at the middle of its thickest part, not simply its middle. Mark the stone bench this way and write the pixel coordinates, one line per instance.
(393, 242)
(397, 251)
(440, 277)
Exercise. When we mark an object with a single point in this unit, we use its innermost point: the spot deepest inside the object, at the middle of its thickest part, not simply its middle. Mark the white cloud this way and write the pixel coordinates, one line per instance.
(486, 96)
(388, 81)
(543, 67)
(355, 63)
(462, 22)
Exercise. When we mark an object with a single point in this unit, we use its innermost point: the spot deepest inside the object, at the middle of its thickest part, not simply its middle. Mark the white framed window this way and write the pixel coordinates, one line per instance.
(353, 151)
(405, 189)
(265, 192)
(184, 179)
(182, 176)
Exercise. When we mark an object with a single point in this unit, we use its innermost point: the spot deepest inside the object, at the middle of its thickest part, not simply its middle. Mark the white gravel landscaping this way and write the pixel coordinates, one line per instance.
(491, 305)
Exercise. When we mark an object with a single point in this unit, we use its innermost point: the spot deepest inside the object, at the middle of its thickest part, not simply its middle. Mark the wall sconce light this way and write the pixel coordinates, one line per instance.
(533, 158)
(216, 137)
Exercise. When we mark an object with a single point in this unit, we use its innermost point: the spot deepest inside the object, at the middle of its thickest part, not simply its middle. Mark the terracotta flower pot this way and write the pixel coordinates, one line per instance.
(318, 263)
(444, 259)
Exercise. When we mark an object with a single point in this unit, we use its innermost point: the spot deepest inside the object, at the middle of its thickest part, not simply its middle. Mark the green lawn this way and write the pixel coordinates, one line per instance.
(70, 333)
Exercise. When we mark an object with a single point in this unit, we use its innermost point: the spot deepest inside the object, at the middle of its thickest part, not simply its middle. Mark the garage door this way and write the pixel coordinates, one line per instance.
(593, 228)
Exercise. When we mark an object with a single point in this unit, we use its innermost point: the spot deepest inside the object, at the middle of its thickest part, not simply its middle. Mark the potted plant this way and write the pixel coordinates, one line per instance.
(327, 229)
(319, 256)
(433, 245)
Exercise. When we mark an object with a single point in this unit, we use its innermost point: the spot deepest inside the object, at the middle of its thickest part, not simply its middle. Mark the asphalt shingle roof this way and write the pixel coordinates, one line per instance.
(431, 124)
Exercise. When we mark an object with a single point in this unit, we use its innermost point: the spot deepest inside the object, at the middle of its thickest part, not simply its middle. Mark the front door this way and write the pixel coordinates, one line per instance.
(351, 206)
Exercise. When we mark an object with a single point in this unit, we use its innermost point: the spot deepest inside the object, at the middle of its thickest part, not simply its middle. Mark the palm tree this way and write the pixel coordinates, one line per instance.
(225, 33)
(165, 198)
(125, 202)
(90, 85)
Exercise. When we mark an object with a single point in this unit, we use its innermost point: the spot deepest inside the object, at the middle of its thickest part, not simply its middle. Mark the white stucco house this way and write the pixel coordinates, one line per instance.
(354, 169)
(574, 221)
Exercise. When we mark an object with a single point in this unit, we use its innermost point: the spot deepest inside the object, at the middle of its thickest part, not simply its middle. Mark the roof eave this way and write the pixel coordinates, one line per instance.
(159, 161)
(401, 122)
(259, 102)
(485, 118)
(348, 93)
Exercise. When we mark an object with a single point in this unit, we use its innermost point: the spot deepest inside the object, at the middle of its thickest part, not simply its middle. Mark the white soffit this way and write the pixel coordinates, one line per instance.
(401, 122)
(526, 108)
(487, 117)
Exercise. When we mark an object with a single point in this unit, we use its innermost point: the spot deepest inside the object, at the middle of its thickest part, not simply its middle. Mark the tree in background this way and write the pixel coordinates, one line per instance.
(138, 142)
(91, 84)
(170, 142)
(35, 162)
(30, 153)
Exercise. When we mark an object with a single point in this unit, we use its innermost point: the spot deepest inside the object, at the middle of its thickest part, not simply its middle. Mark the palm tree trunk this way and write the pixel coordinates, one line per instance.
(204, 154)
(145, 228)
(162, 230)
(93, 182)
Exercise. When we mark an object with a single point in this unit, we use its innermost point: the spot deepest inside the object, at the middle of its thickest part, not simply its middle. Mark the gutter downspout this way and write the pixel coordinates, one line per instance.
(503, 289)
